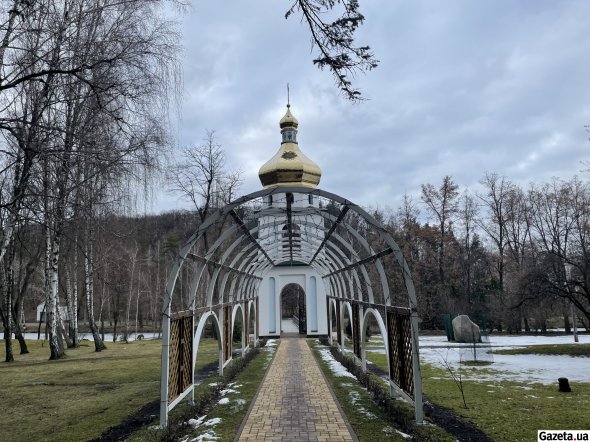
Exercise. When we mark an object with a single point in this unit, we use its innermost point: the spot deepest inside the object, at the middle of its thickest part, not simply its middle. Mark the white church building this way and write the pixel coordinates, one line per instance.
(291, 167)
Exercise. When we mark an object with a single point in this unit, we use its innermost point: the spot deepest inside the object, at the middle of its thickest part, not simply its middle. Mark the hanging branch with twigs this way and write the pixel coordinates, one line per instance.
(335, 41)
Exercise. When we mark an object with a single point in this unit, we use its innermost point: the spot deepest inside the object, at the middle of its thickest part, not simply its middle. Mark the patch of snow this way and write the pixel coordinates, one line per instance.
(213, 422)
(30, 336)
(228, 390)
(234, 385)
(404, 435)
(354, 397)
(366, 413)
(336, 367)
(509, 341)
(223, 401)
(209, 435)
(271, 343)
(529, 368)
(240, 401)
(390, 431)
(213, 384)
(196, 422)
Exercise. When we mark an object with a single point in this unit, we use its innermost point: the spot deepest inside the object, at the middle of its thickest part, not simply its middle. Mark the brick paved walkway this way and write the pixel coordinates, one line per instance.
(294, 402)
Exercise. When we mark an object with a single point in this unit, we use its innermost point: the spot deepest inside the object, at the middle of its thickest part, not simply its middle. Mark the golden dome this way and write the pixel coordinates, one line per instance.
(289, 166)
(288, 119)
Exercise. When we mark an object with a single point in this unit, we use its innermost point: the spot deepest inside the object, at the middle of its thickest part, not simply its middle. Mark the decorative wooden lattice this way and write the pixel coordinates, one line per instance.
(246, 324)
(356, 329)
(226, 332)
(257, 320)
(401, 370)
(329, 321)
(180, 356)
(338, 323)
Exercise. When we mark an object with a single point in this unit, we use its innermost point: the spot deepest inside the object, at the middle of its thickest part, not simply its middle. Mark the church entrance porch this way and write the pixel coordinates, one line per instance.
(293, 311)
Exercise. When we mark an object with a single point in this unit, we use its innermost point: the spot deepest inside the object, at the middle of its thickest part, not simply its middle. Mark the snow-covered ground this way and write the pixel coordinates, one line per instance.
(509, 341)
(545, 369)
(108, 337)
(289, 326)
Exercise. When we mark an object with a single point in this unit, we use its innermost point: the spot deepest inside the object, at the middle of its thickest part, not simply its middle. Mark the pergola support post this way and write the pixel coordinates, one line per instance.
(165, 368)
(363, 342)
(418, 402)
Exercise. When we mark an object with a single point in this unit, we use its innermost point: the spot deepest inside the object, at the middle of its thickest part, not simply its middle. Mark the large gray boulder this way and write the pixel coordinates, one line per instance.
(465, 330)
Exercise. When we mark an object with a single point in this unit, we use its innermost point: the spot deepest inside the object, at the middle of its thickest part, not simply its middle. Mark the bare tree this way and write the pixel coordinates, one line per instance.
(560, 223)
(201, 176)
(335, 41)
(442, 204)
(494, 224)
(467, 212)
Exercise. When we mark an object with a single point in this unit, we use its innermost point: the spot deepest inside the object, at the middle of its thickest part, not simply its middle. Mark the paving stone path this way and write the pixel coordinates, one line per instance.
(294, 403)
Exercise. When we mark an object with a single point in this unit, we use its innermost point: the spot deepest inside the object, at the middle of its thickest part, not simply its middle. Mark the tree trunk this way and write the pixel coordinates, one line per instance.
(137, 304)
(89, 282)
(566, 320)
(6, 311)
(55, 346)
(62, 330)
(18, 332)
(8, 345)
(115, 329)
(7, 319)
(527, 327)
(72, 306)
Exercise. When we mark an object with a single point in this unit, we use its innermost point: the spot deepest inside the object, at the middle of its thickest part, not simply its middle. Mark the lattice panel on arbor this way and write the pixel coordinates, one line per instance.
(226, 332)
(180, 356)
(356, 329)
(338, 323)
(257, 320)
(328, 301)
(246, 324)
(400, 349)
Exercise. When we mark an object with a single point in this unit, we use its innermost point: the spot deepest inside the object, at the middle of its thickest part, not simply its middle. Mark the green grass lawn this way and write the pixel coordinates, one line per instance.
(556, 349)
(80, 396)
(207, 353)
(507, 411)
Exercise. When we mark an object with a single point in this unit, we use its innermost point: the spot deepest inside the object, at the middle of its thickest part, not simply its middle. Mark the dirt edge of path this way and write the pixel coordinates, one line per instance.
(122, 431)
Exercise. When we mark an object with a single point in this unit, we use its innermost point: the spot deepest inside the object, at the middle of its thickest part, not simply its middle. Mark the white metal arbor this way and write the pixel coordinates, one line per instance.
(218, 272)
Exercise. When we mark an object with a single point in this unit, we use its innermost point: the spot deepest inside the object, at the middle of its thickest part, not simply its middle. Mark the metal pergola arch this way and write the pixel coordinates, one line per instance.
(334, 236)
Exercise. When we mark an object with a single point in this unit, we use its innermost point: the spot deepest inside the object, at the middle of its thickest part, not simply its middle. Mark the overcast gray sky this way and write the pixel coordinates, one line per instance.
(463, 87)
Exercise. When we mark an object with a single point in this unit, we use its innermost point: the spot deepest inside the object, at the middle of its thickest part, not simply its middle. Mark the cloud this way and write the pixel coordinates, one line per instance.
(462, 88)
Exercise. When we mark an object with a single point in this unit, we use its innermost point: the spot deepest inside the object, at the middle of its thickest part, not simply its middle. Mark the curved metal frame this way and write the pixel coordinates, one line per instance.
(233, 267)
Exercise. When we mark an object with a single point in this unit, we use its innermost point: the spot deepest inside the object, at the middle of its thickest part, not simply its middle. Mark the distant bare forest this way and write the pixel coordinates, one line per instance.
(85, 88)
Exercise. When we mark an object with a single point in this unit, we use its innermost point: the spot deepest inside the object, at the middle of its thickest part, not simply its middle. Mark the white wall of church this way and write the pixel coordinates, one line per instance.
(270, 299)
